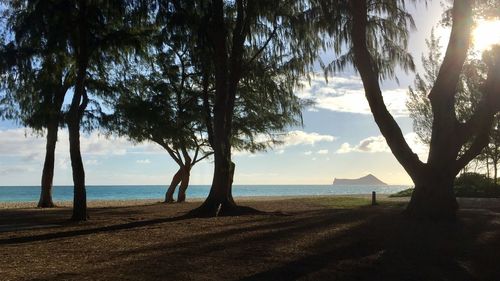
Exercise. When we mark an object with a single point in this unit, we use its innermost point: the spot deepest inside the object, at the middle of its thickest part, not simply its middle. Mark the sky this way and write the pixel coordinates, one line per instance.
(339, 139)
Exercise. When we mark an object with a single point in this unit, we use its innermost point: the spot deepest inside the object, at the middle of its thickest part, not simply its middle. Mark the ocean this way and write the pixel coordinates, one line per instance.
(127, 192)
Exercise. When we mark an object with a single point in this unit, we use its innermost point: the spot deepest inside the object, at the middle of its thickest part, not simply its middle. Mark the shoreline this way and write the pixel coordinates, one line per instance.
(112, 203)
(465, 203)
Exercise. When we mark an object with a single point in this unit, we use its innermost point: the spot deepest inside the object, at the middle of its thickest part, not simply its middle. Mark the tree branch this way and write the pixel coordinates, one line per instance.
(367, 70)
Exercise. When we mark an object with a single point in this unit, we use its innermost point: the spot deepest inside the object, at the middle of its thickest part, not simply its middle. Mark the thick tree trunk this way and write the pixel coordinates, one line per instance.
(80, 194)
(220, 200)
(433, 197)
(186, 174)
(169, 196)
(48, 167)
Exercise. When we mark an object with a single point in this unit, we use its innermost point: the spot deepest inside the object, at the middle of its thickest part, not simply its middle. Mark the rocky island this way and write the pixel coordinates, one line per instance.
(366, 180)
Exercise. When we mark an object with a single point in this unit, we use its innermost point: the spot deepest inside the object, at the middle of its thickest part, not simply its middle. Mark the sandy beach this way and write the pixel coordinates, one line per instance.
(304, 238)
(139, 202)
(464, 202)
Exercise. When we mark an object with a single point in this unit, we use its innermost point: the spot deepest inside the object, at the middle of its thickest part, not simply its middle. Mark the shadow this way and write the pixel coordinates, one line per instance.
(367, 243)
(117, 212)
(80, 232)
(328, 245)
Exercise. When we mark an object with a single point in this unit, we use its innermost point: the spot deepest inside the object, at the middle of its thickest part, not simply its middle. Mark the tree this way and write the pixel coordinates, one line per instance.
(231, 36)
(176, 86)
(36, 79)
(157, 100)
(433, 195)
(87, 33)
(468, 96)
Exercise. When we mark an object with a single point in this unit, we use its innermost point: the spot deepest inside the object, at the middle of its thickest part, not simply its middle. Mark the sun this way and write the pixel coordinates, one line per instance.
(485, 34)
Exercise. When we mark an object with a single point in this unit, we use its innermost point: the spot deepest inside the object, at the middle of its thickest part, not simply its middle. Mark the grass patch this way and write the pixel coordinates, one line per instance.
(403, 193)
(348, 202)
(338, 202)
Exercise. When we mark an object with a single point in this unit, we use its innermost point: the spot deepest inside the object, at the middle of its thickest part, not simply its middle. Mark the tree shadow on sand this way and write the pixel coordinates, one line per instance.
(331, 245)
(369, 243)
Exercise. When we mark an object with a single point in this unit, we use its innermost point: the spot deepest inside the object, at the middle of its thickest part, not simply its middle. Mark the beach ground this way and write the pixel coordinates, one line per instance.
(307, 238)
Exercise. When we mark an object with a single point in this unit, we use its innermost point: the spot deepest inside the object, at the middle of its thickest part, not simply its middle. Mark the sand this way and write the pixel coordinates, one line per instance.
(139, 202)
(307, 238)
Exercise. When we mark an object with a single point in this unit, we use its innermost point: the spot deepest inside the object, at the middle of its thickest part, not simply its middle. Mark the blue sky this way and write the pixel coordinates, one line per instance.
(339, 139)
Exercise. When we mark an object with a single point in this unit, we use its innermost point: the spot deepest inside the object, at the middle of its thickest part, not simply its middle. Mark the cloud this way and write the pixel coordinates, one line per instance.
(303, 138)
(378, 144)
(346, 94)
(92, 162)
(145, 161)
(19, 142)
(369, 145)
(292, 138)
(322, 151)
(14, 170)
(308, 153)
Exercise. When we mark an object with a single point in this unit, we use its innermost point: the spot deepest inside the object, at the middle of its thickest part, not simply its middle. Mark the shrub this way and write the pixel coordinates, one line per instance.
(466, 185)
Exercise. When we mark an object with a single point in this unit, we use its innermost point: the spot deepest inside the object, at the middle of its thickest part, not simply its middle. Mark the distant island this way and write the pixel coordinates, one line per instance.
(366, 180)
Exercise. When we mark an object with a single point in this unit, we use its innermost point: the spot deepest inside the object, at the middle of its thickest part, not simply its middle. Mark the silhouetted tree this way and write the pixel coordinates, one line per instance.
(233, 35)
(433, 196)
(36, 78)
(174, 95)
(468, 96)
(158, 100)
(77, 37)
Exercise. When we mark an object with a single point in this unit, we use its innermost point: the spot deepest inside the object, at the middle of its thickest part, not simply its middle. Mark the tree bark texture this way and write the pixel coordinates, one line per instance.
(77, 109)
(176, 179)
(228, 68)
(433, 196)
(48, 166)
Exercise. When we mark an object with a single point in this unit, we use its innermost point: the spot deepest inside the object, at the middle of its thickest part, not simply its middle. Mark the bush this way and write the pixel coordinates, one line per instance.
(475, 185)
(403, 193)
(466, 185)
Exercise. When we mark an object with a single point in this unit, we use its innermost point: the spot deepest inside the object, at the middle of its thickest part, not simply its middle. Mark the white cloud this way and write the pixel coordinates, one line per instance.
(18, 142)
(145, 161)
(303, 138)
(378, 144)
(91, 162)
(322, 151)
(14, 170)
(308, 153)
(292, 138)
(346, 94)
(369, 145)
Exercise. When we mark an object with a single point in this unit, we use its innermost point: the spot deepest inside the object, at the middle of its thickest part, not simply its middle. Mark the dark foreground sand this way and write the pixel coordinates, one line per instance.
(322, 238)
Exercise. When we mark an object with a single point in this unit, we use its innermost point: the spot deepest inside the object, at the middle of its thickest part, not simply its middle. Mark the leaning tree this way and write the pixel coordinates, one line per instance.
(156, 98)
(373, 46)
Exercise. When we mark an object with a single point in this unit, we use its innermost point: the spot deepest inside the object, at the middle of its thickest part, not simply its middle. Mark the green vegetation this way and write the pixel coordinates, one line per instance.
(347, 202)
(466, 185)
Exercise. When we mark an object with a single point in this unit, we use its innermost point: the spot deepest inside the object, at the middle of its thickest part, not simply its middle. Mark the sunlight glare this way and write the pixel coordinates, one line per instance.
(486, 34)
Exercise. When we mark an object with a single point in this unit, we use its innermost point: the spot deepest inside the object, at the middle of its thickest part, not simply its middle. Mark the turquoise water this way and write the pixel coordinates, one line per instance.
(124, 192)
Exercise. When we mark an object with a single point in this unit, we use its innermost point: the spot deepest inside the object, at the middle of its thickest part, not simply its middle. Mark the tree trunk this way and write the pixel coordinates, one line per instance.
(80, 194)
(48, 166)
(488, 167)
(433, 197)
(495, 171)
(169, 196)
(186, 173)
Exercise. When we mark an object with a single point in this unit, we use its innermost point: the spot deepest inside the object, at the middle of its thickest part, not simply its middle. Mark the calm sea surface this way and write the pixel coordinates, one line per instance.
(124, 192)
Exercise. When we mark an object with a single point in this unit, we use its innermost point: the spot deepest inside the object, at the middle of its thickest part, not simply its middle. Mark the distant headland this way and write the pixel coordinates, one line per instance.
(366, 180)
